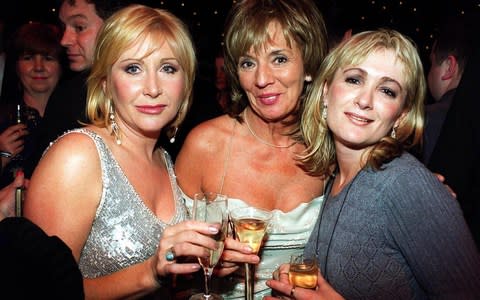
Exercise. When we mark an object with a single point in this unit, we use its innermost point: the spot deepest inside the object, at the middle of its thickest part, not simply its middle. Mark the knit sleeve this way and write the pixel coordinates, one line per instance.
(427, 224)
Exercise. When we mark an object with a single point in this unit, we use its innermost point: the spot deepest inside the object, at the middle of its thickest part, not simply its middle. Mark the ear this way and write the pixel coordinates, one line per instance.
(324, 94)
(104, 88)
(450, 67)
(400, 119)
(347, 34)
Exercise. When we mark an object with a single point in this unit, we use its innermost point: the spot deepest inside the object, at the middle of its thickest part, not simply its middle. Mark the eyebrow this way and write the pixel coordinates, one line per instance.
(383, 78)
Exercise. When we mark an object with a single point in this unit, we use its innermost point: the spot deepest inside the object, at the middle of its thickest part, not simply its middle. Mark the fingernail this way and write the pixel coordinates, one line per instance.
(248, 248)
(213, 229)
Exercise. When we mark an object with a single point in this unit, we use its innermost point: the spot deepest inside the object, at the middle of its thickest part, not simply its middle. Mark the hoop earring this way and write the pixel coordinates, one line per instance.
(172, 139)
(115, 129)
(393, 134)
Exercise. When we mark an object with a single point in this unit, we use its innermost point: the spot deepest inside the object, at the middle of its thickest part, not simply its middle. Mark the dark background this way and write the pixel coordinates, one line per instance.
(416, 18)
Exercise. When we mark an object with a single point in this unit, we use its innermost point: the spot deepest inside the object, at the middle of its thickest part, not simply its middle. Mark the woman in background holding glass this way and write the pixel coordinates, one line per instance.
(35, 59)
(273, 50)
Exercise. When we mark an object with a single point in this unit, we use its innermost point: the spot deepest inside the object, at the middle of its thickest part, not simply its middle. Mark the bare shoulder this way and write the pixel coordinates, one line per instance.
(210, 135)
(72, 148)
(65, 189)
(202, 154)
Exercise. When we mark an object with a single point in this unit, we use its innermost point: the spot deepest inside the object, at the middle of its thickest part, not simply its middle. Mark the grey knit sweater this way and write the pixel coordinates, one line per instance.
(396, 234)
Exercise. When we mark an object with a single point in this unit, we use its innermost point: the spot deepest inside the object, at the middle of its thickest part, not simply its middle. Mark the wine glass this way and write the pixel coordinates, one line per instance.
(303, 271)
(250, 227)
(212, 208)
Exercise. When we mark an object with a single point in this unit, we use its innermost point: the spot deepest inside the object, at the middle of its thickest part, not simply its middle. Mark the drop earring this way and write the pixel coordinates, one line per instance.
(115, 130)
(393, 134)
(172, 139)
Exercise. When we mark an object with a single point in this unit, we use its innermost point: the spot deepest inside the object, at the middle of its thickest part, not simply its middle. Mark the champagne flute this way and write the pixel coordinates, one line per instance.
(303, 271)
(212, 208)
(250, 227)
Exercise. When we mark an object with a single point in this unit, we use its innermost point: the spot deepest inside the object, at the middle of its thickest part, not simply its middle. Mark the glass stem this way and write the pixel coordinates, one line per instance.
(208, 275)
(248, 282)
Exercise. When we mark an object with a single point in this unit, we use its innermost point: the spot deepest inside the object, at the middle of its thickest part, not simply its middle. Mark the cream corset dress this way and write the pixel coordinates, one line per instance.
(288, 234)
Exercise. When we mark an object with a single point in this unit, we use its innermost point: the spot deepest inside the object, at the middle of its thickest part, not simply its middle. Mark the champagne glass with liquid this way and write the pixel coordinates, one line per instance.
(211, 208)
(250, 227)
(303, 271)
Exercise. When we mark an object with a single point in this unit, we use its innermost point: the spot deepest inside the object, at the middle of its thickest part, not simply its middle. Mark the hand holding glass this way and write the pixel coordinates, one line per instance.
(250, 227)
(211, 208)
(303, 272)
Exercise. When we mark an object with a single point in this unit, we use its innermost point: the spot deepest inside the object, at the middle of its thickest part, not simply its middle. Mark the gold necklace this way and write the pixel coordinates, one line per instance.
(260, 139)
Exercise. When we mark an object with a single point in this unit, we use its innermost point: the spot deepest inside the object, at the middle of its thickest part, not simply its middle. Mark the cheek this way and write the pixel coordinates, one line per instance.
(122, 89)
(54, 70)
(177, 91)
(245, 80)
(23, 68)
(390, 112)
(336, 95)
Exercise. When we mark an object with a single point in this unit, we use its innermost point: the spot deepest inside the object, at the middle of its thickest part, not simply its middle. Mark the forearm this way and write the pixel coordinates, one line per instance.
(129, 283)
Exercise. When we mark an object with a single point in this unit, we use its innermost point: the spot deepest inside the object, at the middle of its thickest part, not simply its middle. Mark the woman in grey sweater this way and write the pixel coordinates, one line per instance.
(388, 229)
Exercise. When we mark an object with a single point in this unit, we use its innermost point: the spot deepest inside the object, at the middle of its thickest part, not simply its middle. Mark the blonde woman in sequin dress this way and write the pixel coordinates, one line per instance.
(107, 190)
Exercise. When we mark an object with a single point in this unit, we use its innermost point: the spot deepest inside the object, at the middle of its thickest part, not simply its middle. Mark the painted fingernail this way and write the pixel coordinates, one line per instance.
(213, 229)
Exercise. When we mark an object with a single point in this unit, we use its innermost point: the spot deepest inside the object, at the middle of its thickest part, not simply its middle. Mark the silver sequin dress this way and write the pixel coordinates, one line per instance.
(125, 231)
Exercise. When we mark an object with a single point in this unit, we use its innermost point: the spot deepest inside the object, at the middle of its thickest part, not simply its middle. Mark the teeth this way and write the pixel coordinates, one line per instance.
(359, 119)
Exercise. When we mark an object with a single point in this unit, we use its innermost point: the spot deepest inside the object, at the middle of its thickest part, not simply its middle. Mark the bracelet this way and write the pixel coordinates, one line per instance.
(5, 154)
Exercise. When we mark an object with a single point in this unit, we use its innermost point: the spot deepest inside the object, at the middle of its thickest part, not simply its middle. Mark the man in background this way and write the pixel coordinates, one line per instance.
(82, 20)
(452, 133)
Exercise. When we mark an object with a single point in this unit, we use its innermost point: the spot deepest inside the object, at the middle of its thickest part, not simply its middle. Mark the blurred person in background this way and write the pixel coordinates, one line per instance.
(81, 21)
(35, 58)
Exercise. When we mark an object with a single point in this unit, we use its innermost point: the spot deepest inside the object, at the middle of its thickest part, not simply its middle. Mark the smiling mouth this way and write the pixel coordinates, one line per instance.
(358, 118)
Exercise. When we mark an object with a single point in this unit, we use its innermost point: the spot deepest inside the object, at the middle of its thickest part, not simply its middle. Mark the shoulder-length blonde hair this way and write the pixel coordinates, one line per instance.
(319, 156)
(247, 27)
(119, 33)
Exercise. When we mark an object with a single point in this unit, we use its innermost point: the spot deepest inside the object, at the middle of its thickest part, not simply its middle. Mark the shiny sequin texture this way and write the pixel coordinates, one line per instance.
(125, 231)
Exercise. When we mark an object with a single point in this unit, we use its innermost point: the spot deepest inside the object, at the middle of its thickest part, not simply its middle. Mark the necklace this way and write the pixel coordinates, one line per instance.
(260, 139)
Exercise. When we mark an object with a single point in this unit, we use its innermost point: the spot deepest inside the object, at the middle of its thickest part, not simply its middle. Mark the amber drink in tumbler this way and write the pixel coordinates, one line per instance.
(303, 272)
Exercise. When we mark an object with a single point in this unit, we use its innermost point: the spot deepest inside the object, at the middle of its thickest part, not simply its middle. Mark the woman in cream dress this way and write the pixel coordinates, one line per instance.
(273, 49)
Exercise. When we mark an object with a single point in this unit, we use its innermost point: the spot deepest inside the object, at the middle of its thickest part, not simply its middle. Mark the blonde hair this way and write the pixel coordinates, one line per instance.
(119, 33)
(319, 157)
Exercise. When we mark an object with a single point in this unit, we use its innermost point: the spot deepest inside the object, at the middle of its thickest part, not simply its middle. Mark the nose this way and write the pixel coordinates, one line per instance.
(38, 63)
(364, 100)
(151, 87)
(68, 37)
(263, 75)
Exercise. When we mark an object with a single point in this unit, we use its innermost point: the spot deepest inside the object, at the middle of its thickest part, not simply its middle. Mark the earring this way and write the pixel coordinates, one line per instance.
(172, 139)
(308, 78)
(393, 134)
(324, 112)
(115, 130)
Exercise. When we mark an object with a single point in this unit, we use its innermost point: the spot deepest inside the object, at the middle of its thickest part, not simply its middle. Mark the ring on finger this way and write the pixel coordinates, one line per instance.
(170, 255)
(292, 292)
